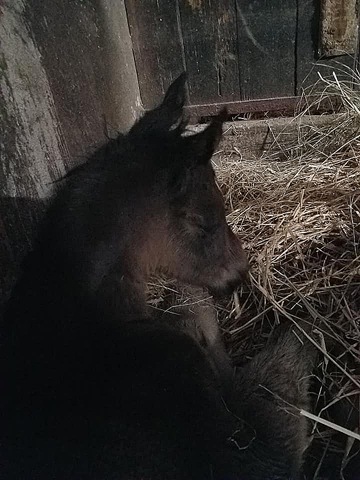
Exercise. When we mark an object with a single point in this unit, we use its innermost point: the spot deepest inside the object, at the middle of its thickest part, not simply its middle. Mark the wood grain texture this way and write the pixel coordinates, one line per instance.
(66, 33)
(157, 46)
(55, 89)
(267, 41)
(309, 62)
(122, 102)
(211, 53)
(339, 27)
(253, 138)
(233, 50)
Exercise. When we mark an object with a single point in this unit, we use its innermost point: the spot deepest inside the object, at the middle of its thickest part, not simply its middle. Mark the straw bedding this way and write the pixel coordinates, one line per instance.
(297, 209)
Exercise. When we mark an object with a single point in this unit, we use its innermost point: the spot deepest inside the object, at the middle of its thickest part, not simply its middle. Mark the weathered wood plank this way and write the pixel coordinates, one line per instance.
(288, 106)
(253, 138)
(308, 61)
(57, 77)
(338, 27)
(121, 88)
(157, 46)
(267, 39)
(66, 34)
(209, 35)
(282, 105)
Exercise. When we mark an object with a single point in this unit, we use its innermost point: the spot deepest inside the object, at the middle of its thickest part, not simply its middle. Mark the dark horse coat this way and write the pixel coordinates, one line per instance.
(94, 387)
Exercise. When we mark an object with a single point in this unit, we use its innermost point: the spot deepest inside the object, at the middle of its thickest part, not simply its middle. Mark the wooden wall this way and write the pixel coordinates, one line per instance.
(233, 50)
(66, 67)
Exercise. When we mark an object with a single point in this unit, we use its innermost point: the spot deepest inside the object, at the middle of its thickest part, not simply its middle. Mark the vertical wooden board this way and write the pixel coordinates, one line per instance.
(308, 62)
(210, 44)
(66, 32)
(307, 43)
(157, 46)
(339, 27)
(266, 39)
(121, 89)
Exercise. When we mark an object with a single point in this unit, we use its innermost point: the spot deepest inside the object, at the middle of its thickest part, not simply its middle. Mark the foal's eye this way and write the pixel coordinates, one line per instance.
(208, 229)
(200, 223)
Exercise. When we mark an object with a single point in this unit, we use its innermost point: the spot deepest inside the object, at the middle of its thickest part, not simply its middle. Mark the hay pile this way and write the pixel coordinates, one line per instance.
(297, 209)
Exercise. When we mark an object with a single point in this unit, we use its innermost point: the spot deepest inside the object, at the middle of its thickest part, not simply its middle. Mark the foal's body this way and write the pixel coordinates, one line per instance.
(97, 389)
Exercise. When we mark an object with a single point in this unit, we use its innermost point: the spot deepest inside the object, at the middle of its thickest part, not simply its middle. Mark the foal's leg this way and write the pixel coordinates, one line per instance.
(268, 394)
(205, 317)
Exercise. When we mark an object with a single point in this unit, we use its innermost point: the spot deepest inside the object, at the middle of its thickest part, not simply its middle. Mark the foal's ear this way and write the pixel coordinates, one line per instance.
(203, 145)
(175, 96)
(169, 114)
(171, 109)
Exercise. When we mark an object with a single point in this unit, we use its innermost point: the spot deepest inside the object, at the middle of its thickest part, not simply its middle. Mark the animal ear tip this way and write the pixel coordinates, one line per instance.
(217, 122)
(177, 86)
(180, 80)
(182, 77)
(223, 115)
(180, 84)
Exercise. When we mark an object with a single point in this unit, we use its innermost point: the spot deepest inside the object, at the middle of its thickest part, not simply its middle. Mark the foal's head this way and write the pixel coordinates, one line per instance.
(144, 201)
(190, 236)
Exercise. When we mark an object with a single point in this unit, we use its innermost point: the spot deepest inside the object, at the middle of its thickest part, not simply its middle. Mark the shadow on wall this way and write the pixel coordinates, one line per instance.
(19, 218)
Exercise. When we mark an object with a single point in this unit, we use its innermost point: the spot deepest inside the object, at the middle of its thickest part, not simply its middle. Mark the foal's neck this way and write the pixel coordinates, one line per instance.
(122, 296)
(123, 289)
(121, 293)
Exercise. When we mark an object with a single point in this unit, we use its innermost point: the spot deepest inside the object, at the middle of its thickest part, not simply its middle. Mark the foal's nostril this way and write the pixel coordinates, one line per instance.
(245, 267)
(240, 262)
(239, 277)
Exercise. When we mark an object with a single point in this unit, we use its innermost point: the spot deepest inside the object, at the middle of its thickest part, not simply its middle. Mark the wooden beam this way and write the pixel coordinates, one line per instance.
(252, 138)
(281, 106)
